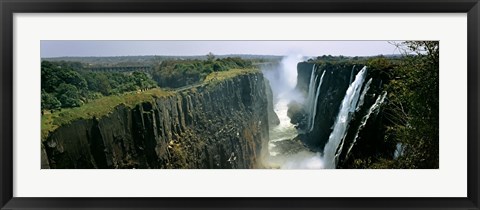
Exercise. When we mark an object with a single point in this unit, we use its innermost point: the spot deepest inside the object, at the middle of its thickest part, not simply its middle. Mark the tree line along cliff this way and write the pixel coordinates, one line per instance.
(200, 127)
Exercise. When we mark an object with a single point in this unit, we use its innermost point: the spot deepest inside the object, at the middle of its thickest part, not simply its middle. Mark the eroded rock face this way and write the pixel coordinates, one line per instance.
(221, 125)
(272, 116)
(296, 113)
(334, 86)
(359, 140)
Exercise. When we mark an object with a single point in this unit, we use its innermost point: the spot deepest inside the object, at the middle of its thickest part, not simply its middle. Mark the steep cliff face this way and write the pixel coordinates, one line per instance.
(365, 134)
(272, 116)
(220, 125)
(334, 85)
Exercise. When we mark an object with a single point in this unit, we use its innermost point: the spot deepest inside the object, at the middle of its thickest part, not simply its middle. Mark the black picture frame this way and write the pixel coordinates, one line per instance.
(9, 7)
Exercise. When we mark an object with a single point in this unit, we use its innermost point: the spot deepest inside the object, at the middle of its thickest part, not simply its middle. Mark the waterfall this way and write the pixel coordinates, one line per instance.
(343, 118)
(362, 96)
(312, 99)
(375, 108)
(351, 74)
(314, 111)
(310, 95)
(311, 87)
(356, 96)
(398, 151)
(283, 151)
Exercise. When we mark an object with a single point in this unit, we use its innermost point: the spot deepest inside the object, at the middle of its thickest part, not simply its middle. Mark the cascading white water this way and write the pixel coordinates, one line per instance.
(356, 95)
(314, 111)
(364, 92)
(312, 99)
(283, 88)
(310, 95)
(398, 151)
(374, 109)
(351, 74)
(284, 130)
(281, 156)
(343, 118)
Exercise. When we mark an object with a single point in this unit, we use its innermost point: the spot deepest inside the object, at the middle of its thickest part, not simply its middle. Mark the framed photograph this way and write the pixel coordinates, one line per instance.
(239, 105)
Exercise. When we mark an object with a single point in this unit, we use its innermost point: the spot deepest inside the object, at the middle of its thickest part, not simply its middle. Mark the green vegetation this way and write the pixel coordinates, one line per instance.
(67, 84)
(379, 67)
(69, 94)
(98, 107)
(411, 111)
(414, 106)
(71, 91)
(178, 73)
(122, 61)
(219, 76)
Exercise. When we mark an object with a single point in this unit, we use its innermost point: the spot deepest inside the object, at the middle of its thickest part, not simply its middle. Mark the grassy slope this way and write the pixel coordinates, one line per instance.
(223, 75)
(97, 108)
(105, 105)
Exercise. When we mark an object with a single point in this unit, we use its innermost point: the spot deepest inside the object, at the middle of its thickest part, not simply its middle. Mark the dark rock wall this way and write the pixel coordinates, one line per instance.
(272, 116)
(335, 84)
(221, 125)
(304, 70)
(337, 78)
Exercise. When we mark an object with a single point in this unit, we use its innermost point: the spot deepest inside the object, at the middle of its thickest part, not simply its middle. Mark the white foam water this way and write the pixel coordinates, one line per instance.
(348, 105)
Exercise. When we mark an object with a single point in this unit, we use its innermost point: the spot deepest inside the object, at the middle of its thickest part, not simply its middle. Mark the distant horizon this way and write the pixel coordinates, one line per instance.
(152, 55)
(118, 56)
(180, 48)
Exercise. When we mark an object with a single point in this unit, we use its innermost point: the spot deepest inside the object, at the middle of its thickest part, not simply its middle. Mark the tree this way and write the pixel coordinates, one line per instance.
(210, 56)
(141, 80)
(68, 95)
(414, 105)
(49, 101)
(178, 73)
(53, 74)
(49, 77)
(217, 66)
(102, 84)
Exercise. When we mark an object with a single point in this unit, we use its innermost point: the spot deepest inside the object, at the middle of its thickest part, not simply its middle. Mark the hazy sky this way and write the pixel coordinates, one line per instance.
(126, 48)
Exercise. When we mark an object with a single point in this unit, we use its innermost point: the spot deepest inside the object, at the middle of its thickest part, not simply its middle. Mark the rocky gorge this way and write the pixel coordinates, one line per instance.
(222, 124)
(323, 115)
(342, 113)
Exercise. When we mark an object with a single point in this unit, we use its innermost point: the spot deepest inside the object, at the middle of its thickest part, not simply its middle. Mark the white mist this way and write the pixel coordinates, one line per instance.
(283, 81)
